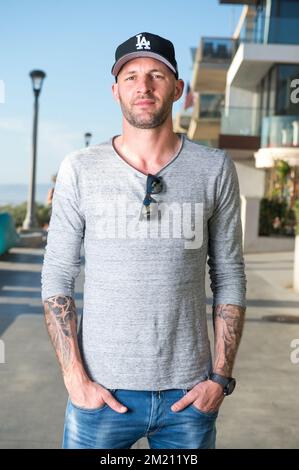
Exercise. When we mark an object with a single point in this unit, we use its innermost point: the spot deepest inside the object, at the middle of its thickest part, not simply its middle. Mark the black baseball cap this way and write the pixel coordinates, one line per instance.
(145, 45)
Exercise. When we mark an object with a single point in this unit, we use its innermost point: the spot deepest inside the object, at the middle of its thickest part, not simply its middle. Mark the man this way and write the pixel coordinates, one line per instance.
(150, 206)
(50, 196)
(51, 191)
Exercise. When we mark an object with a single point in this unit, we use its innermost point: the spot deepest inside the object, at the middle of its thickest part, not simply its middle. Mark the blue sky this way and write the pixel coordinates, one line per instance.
(74, 42)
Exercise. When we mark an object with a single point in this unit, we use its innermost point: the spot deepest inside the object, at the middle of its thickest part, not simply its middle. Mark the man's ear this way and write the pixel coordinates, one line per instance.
(179, 89)
(115, 91)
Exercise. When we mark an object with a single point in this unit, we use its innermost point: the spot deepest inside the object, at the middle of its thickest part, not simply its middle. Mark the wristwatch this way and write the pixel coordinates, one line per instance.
(228, 383)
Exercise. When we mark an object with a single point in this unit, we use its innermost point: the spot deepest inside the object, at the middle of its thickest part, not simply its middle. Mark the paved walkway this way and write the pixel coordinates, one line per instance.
(263, 412)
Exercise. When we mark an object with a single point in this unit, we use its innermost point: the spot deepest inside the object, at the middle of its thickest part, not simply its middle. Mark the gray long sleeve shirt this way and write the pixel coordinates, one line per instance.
(144, 324)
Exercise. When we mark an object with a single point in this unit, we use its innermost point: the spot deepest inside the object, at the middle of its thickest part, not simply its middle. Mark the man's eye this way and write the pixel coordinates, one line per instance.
(158, 76)
(130, 78)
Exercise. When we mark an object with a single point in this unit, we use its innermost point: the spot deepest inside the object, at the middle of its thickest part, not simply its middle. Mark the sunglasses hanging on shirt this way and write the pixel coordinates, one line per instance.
(154, 185)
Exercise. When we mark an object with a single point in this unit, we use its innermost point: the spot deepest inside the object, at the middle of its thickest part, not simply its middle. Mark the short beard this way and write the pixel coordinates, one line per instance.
(154, 120)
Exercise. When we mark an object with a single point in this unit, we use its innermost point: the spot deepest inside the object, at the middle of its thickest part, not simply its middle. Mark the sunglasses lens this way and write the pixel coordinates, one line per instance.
(157, 187)
(154, 184)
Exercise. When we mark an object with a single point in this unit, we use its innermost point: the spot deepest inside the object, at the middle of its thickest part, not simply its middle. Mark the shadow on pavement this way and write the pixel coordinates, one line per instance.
(30, 257)
(20, 286)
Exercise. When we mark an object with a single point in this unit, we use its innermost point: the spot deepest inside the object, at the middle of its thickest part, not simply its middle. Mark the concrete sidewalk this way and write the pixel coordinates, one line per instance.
(263, 412)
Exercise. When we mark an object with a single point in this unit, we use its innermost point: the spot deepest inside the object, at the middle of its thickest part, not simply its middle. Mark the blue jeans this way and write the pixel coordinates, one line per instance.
(149, 415)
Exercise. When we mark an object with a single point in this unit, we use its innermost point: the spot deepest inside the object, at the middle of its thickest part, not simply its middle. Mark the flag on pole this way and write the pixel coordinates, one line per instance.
(189, 97)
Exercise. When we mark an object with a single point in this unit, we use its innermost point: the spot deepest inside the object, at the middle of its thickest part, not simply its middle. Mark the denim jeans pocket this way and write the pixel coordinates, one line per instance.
(209, 414)
(88, 410)
(92, 410)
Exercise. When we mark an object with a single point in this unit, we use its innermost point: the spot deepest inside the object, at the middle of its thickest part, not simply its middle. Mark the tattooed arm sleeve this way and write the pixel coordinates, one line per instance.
(228, 326)
(61, 320)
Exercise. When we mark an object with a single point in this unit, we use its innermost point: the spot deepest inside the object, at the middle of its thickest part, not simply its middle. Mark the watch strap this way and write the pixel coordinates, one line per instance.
(220, 379)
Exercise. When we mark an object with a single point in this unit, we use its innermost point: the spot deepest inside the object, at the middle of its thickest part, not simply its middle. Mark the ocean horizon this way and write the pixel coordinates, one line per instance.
(17, 193)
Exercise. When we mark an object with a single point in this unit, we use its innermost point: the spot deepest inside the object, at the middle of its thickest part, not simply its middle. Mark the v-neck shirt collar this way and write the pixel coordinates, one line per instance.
(138, 172)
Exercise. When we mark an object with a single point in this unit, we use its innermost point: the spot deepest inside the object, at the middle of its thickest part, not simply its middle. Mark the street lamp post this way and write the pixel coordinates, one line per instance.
(37, 77)
(88, 137)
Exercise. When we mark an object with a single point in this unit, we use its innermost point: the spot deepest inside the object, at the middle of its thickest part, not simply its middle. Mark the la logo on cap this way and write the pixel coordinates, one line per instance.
(142, 43)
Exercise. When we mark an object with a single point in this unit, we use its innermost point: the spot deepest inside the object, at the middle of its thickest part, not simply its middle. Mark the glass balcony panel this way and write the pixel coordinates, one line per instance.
(270, 30)
(280, 131)
(241, 121)
(217, 49)
(275, 131)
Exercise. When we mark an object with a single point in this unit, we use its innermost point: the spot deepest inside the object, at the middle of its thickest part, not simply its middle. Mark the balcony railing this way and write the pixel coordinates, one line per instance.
(270, 30)
(275, 131)
(241, 121)
(280, 131)
(213, 49)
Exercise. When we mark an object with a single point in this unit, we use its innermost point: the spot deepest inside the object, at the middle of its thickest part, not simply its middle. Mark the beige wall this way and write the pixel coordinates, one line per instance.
(251, 180)
(204, 129)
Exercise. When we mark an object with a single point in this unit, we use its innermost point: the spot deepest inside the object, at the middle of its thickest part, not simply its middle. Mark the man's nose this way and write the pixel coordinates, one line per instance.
(144, 84)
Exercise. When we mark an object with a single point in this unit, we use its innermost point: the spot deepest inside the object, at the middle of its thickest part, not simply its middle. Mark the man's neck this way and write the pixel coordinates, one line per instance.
(147, 150)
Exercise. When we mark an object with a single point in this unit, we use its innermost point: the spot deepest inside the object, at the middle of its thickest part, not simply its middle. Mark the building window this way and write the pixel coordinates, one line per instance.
(211, 105)
(285, 75)
(283, 25)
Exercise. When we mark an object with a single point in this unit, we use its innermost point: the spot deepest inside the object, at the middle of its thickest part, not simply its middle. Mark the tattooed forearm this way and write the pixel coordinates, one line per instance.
(61, 320)
(228, 324)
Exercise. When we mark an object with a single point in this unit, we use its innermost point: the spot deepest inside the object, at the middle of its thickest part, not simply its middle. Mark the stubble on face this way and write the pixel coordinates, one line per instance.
(146, 119)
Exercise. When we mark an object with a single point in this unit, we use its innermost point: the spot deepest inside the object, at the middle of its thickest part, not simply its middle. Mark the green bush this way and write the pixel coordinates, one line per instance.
(276, 218)
(43, 214)
(19, 213)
